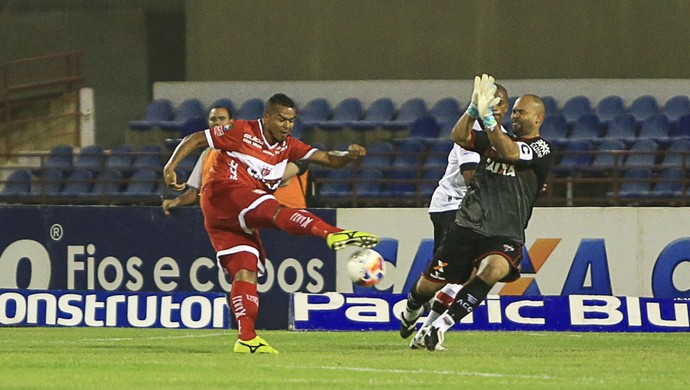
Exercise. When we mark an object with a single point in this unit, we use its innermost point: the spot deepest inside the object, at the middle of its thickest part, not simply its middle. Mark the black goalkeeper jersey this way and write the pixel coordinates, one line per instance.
(501, 195)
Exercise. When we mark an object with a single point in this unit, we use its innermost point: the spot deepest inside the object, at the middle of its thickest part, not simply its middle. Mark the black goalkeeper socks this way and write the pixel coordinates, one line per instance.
(415, 301)
(471, 295)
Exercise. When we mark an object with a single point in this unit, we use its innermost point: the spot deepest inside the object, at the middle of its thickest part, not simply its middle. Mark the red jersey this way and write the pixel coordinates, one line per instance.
(248, 159)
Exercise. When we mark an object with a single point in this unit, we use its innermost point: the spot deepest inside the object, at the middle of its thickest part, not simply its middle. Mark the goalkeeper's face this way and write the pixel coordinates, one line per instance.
(526, 116)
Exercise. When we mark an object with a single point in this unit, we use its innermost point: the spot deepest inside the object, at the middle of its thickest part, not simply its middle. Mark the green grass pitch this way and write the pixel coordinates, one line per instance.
(118, 358)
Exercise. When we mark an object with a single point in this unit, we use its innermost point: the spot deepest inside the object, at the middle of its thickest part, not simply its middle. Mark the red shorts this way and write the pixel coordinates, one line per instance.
(232, 215)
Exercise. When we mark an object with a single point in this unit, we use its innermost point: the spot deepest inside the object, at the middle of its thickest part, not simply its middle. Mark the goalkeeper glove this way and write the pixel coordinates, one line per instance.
(472, 108)
(486, 100)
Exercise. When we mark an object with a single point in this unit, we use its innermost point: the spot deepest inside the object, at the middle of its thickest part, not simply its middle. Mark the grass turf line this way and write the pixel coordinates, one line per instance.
(119, 358)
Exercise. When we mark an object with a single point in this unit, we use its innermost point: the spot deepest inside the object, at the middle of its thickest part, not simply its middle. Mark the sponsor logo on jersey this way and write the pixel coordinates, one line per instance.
(219, 131)
(508, 248)
(500, 168)
(540, 147)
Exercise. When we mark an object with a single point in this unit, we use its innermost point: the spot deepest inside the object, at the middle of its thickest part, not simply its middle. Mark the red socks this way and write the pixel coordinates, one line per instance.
(244, 303)
(301, 222)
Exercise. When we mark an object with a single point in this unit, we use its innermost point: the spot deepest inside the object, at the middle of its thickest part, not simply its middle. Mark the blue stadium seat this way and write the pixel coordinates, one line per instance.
(657, 128)
(149, 157)
(555, 129)
(250, 109)
(409, 152)
(670, 183)
(682, 128)
(222, 102)
(577, 157)
(18, 183)
(550, 106)
(438, 154)
(108, 183)
(622, 128)
(380, 111)
(676, 107)
(379, 155)
(59, 157)
(425, 128)
(338, 184)
(430, 180)
(347, 111)
(157, 111)
(298, 128)
(643, 107)
(409, 111)
(48, 183)
(369, 183)
(89, 157)
(609, 156)
(677, 155)
(193, 125)
(142, 185)
(188, 110)
(636, 183)
(401, 184)
(446, 129)
(586, 128)
(78, 183)
(576, 107)
(609, 108)
(120, 157)
(315, 111)
(446, 109)
(642, 154)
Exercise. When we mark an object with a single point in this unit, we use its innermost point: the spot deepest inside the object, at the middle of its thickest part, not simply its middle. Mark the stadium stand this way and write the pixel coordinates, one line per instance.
(157, 112)
(411, 110)
(550, 106)
(250, 109)
(643, 107)
(676, 107)
(89, 157)
(190, 110)
(446, 109)
(656, 128)
(609, 108)
(622, 128)
(576, 107)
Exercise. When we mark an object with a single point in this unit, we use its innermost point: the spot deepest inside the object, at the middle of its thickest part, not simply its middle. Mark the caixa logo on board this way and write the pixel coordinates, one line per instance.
(29, 264)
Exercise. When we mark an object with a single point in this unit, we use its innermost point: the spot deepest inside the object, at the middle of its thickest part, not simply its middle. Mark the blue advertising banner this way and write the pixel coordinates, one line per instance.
(113, 309)
(138, 249)
(377, 311)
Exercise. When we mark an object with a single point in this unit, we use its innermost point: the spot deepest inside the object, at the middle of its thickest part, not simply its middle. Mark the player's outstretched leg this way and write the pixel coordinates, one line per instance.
(340, 240)
(255, 345)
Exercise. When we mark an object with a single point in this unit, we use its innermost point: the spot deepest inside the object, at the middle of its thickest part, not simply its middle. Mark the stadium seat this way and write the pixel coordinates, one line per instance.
(149, 157)
(59, 157)
(192, 125)
(142, 185)
(576, 157)
(380, 111)
(608, 158)
(430, 180)
(18, 183)
(187, 110)
(89, 157)
(643, 107)
(78, 183)
(576, 107)
(676, 107)
(622, 128)
(347, 111)
(157, 111)
(251, 109)
(438, 154)
(424, 128)
(338, 184)
(555, 129)
(222, 102)
(670, 183)
(682, 128)
(446, 129)
(409, 152)
(642, 154)
(636, 183)
(368, 184)
(550, 106)
(609, 108)
(298, 128)
(120, 157)
(401, 184)
(409, 111)
(315, 111)
(379, 155)
(108, 183)
(446, 109)
(677, 155)
(48, 183)
(585, 128)
(657, 128)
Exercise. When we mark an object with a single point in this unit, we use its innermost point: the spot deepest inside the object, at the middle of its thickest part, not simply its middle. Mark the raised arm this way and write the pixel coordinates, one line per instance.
(505, 147)
(337, 158)
(462, 131)
(188, 144)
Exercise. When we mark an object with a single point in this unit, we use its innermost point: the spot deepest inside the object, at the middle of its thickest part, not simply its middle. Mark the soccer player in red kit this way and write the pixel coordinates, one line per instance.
(237, 199)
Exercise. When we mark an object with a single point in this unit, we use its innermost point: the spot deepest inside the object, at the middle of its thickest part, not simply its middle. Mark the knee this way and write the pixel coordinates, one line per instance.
(493, 268)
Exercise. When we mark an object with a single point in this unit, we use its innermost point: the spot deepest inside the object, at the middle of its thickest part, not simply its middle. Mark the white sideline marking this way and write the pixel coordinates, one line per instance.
(439, 372)
(188, 336)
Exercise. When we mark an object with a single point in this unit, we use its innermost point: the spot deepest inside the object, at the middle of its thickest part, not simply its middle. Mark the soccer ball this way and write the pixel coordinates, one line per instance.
(366, 267)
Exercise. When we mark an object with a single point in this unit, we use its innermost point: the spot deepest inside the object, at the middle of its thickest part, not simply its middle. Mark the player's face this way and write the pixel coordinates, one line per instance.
(524, 117)
(501, 108)
(278, 122)
(218, 117)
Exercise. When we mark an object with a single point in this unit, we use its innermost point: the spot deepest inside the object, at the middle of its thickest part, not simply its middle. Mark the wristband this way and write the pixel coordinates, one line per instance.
(472, 110)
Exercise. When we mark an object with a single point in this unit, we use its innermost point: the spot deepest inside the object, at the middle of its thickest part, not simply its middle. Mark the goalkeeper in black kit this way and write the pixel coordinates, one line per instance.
(489, 229)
